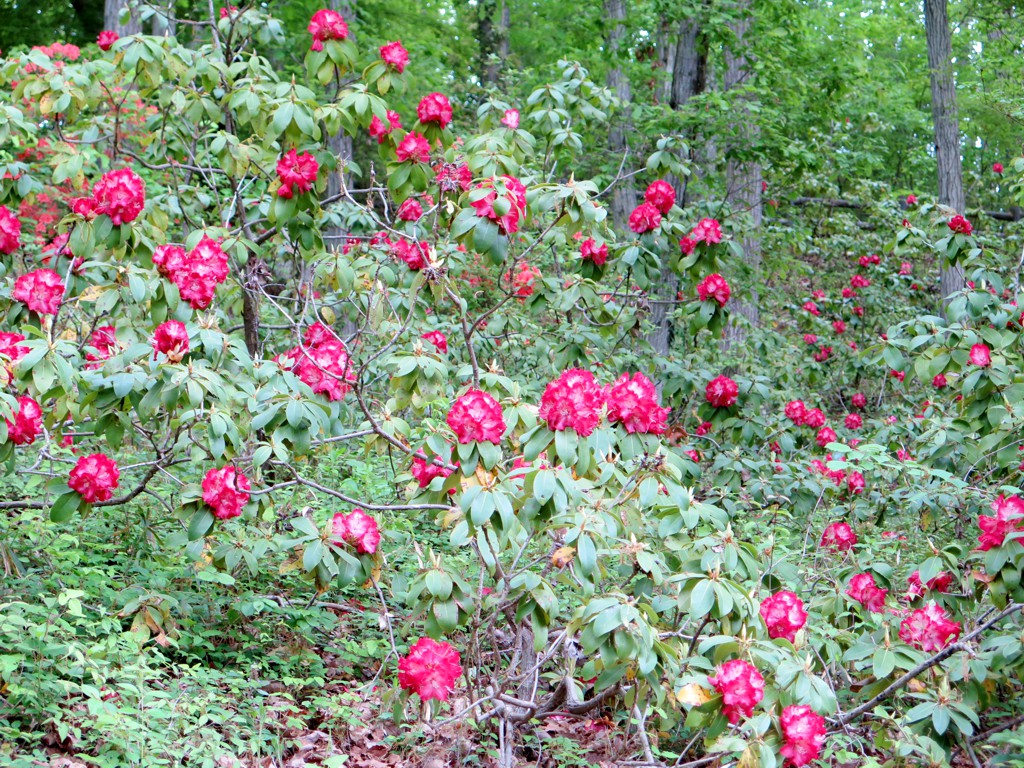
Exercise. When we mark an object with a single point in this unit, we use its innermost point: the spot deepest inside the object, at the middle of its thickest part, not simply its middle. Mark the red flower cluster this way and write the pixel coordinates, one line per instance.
(119, 194)
(811, 307)
(438, 339)
(661, 195)
(855, 483)
(839, 537)
(321, 362)
(430, 669)
(714, 287)
(980, 355)
(476, 417)
(707, 231)
(297, 173)
(859, 401)
(859, 281)
(10, 231)
(1009, 518)
(326, 25)
(633, 403)
(414, 147)
(784, 615)
(929, 629)
(941, 583)
(424, 473)
(104, 341)
(453, 177)
(523, 280)
(415, 255)
(803, 734)
(40, 290)
(94, 478)
(867, 261)
(997, 167)
(171, 339)
(863, 589)
(741, 686)
(722, 392)
(960, 225)
(395, 56)
(196, 273)
(591, 251)
(27, 424)
(225, 491)
(379, 132)
(853, 421)
(358, 529)
(11, 350)
(434, 108)
(510, 119)
(825, 436)
(513, 199)
(410, 210)
(644, 218)
(572, 401)
(107, 39)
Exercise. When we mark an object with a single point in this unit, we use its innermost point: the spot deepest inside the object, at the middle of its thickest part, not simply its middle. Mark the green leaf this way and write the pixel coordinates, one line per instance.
(65, 506)
(200, 524)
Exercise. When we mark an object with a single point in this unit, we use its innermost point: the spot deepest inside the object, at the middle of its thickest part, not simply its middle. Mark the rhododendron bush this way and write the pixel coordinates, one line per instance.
(709, 542)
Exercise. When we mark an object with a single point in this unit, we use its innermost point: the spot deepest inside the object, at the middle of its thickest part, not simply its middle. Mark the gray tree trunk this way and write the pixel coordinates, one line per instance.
(947, 128)
(624, 195)
(111, 13)
(340, 143)
(492, 23)
(743, 176)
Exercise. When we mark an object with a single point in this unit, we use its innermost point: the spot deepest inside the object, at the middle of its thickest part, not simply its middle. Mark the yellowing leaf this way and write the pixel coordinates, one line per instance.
(694, 695)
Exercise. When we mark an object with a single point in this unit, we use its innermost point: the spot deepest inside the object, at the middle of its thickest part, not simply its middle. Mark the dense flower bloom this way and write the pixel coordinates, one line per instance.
(572, 401)
(196, 273)
(741, 686)
(438, 339)
(10, 231)
(395, 56)
(940, 583)
(225, 491)
(784, 615)
(514, 196)
(855, 483)
(107, 39)
(171, 339)
(1009, 518)
(119, 194)
(591, 251)
(939, 382)
(414, 147)
(103, 342)
(838, 536)
(661, 195)
(297, 173)
(796, 411)
(853, 421)
(410, 210)
(94, 478)
(960, 225)
(929, 629)
(41, 291)
(28, 422)
(321, 362)
(707, 231)
(434, 108)
(644, 218)
(424, 473)
(715, 287)
(722, 392)
(859, 401)
(377, 129)
(980, 355)
(633, 403)
(510, 119)
(814, 418)
(811, 307)
(997, 167)
(825, 436)
(863, 589)
(476, 417)
(358, 529)
(326, 25)
(859, 281)
(803, 733)
(430, 669)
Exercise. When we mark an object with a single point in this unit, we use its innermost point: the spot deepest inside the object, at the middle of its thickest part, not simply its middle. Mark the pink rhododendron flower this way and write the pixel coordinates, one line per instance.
(997, 167)
(644, 218)
(911, 199)
(410, 210)
(107, 39)
(687, 245)
(741, 687)
(321, 362)
(225, 491)
(514, 198)
(103, 341)
(633, 403)
(424, 473)
(859, 281)
(939, 382)
(10, 231)
(228, 11)
(863, 589)
(119, 194)
(824, 353)
(523, 279)
(960, 225)
(839, 326)
(661, 195)
(838, 536)
(94, 478)
(510, 119)
(358, 529)
(326, 25)
(297, 173)
(438, 339)
(853, 421)
(811, 307)
(825, 436)
(814, 418)
(714, 287)
(784, 615)
(929, 629)
(453, 177)
(572, 401)
(435, 108)
(980, 355)
(430, 669)
(11, 350)
(707, 231)
(859, 401)
(591, 251)
(395, 56)
(40, 290)
(810, 338)
(906, 268)
(722, 392)
(476, 417)
(940, 583)
(855, 483)
(414, 147)
(1009, 518)
(898, 375)
(378, 131)
(415, 255)
(803, 734)
(171, 339)
(196, 273)
(796, 411)
(28, 422)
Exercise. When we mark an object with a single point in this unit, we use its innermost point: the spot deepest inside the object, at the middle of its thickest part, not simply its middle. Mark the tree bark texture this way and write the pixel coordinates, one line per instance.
(111, 13)
(624, 195)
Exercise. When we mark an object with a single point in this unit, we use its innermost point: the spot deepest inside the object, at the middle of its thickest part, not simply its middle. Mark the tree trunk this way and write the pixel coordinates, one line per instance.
(111, 13)
(947, 128)
(340, 143)
(492, 24)
(743, 175)
(624, 194)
